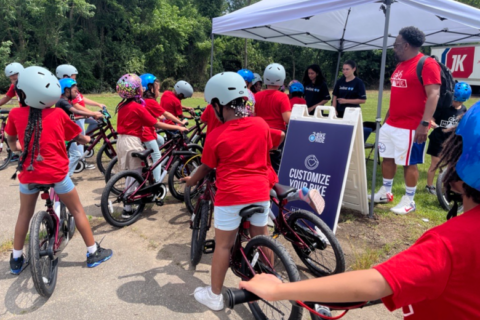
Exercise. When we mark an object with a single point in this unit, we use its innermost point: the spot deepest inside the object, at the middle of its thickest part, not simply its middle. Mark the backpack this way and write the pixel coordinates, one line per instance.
(448, 84)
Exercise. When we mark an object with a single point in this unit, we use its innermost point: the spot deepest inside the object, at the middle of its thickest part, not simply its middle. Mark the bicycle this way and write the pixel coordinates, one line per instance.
(318, 310)
(50, 232)
(5, 153)
(313, 241)
(197, 134)
(134, 189)
(107, 150)
(248, 260)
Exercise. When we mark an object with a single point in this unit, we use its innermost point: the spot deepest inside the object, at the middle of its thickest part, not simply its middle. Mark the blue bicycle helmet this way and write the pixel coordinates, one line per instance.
(469, 163)
(147, 78)
(67, 83)
(462, 92)
(296, 87)
(246, 74)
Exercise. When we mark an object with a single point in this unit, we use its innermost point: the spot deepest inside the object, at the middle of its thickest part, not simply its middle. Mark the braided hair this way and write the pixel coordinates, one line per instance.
(33, 130)
(452, 150)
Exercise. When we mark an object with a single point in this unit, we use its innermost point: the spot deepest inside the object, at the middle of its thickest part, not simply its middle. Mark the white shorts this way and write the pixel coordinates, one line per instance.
(227, 218)
(398, 144)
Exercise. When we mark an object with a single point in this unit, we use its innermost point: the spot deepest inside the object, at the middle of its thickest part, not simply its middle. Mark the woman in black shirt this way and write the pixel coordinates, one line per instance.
(316, 89)
(349, 91)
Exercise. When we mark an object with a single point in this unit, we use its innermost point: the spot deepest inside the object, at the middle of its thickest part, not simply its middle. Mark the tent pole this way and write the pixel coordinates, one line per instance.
(211, 58)
(335, 75)
(380, 97)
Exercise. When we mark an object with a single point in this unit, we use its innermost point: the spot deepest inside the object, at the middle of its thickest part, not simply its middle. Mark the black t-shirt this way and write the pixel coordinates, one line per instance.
(354, 89)
(445, 118)
(65, 106)
(315, 93)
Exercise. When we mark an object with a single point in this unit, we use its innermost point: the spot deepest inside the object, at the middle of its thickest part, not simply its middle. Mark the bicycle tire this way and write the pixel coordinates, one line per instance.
(106, 202)
(199, 232)
(289, 266)
(44, 285)
(5, 151)
(311, 237)
(70, 220)
(79, 167)
(104, 151)
(441, 196)
(192, 194)
(109, 175)
(178, 171)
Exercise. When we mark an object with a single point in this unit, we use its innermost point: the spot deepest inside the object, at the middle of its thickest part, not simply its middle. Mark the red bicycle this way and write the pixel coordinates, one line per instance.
(5, 153)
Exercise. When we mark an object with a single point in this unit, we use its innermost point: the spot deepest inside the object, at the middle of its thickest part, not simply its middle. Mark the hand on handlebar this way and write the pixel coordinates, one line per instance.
(83, 139)
(263, 285)
(98, 115)
(185, 122)
(182, 129)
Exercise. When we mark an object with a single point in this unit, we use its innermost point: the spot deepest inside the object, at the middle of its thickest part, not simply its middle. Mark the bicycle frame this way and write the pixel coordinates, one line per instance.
(101, 134)
(53, 209)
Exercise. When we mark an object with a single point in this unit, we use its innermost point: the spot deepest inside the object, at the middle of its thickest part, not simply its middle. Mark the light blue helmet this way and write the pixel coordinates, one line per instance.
(67, 83)
(147, 78)
(469, 163)
(296, 87)
(462, 92)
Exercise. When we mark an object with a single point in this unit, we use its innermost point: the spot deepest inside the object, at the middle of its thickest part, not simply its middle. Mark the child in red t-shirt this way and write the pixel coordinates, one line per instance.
(210, 119)
(295, 92)
(42, 132)
(150, 138)
(11, 71)
(171, 100)
(436, 278)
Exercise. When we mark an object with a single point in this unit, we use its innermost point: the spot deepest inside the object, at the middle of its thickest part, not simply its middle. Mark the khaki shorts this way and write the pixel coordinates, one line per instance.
(125, 146)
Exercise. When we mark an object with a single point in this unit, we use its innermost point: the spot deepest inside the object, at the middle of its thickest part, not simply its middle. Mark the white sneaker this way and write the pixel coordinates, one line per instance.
(316, 201)
(89, 166)
(405, 206)
(205, 296)
(382, 196)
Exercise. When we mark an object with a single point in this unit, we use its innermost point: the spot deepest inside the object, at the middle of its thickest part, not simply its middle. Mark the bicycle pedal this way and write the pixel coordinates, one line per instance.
(209, 246)
(159, 203)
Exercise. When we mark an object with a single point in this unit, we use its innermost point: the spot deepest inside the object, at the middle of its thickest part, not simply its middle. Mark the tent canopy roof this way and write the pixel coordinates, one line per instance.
(322, 24)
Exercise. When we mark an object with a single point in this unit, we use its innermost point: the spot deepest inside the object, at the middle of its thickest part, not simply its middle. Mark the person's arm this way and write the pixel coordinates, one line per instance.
(386, 116)
(200, 173)
(351, 101)
(321, 103)
(171, 117)
(433, 93)
(363, 285)
(81, 139)
(93, 103)
(286, 116)
(85, 112)
(4, 100)
(12, 143)
(161, 125)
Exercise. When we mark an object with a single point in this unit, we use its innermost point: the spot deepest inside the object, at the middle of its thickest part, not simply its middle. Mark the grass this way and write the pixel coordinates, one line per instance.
(7, 245)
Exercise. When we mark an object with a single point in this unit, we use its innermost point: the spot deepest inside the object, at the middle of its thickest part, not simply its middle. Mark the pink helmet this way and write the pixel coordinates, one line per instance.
(129, 85)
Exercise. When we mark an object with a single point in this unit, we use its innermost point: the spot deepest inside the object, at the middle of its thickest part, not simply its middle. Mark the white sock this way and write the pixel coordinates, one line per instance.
(213, 295)
(410, 192)
(388, 183)
(92, 249)
(17, 253)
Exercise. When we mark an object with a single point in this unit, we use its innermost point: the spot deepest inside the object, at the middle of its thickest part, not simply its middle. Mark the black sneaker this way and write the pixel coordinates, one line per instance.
(431, 189)
(15, 158)
(16, 265)
(101, 255)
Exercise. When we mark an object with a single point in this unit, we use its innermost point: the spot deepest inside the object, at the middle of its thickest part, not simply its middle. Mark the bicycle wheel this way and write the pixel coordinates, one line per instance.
(80, 167)
(180, 169)
(282, 267)
(5, 155)
(113, 205)
(326, 255)
(112, 169)
(70, 220)
(192, 194)
(105, 155)
(199, 232)
(442, 195)
(44, 268)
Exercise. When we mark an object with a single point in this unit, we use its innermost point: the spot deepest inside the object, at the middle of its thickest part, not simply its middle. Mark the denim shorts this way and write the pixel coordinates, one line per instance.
(62, 187)
(227, 218)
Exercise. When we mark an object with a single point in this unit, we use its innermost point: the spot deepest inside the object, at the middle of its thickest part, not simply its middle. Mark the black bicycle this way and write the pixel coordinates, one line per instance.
(5, 153)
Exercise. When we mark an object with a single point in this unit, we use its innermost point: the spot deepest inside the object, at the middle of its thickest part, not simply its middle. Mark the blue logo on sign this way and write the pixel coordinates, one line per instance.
(311, 138)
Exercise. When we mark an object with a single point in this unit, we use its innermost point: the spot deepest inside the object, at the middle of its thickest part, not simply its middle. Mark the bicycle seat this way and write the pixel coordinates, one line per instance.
(41, 187)
(251, 210)
(142, 154)
(283, 191)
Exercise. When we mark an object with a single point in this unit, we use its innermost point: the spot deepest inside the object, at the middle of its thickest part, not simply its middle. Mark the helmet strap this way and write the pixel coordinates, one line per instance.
(219, 113)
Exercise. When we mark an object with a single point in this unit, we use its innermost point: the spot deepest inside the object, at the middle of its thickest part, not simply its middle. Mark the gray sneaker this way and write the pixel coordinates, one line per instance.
(431, 189)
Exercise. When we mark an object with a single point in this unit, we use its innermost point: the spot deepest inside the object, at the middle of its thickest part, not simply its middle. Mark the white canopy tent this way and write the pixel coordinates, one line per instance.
(351, 25)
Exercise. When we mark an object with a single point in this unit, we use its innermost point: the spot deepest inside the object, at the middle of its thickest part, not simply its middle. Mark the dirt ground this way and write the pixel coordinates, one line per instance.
(149, 275)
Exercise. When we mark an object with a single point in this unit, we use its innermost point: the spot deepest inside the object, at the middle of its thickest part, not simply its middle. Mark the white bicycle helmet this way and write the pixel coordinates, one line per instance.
(226, 87)
(184, 87)
(41, 88)
(65, 70)
(13, 68)
(274, 75)
(256, 78)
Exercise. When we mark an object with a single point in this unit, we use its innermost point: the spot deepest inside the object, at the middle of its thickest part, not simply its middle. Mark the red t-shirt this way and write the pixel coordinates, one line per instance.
(78, 99)
(408, 96)
(57, 128)
(438, 277)
(297, 100)
(11, 91)
(209, 117)
(152, 106)
(239, 150)
(270, 105)
(172, 104)
(132, 117)
(276, 138)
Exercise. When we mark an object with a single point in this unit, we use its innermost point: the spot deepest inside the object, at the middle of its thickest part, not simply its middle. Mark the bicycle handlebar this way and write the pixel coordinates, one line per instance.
(236, 296)
(4, 111)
